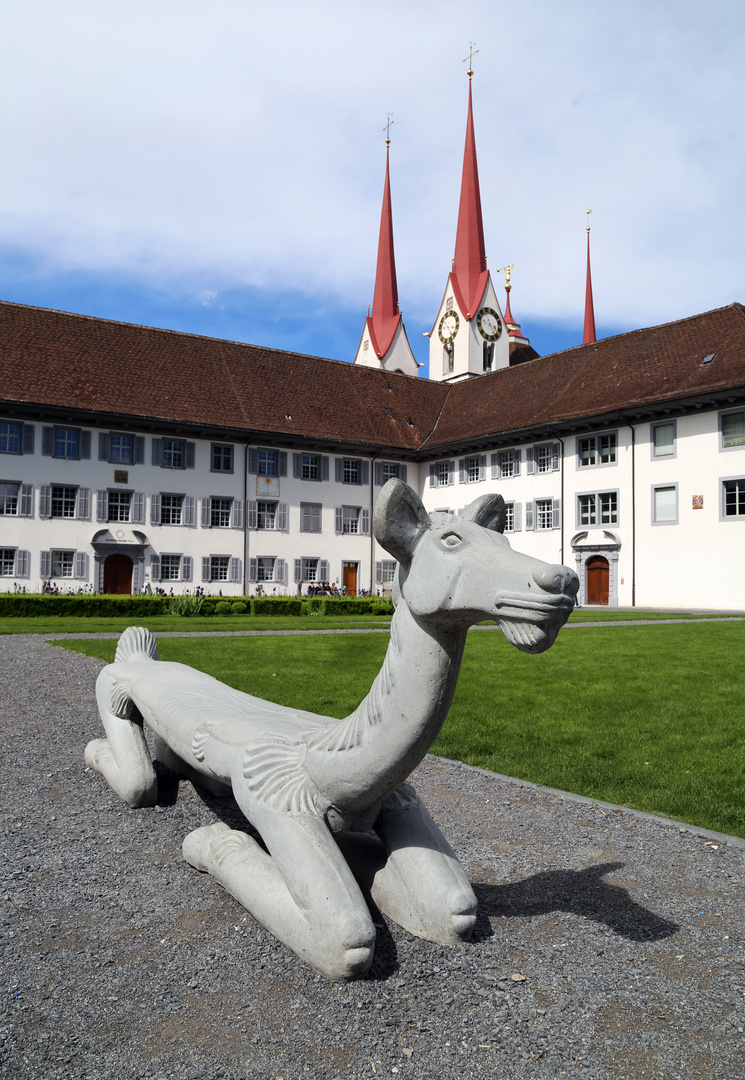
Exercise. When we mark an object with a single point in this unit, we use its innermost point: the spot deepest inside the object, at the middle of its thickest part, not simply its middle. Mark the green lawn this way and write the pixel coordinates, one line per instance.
(650, 717)
(60, 624)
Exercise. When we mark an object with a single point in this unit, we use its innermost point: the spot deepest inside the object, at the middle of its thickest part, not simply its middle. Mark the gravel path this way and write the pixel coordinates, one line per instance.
(608, 946)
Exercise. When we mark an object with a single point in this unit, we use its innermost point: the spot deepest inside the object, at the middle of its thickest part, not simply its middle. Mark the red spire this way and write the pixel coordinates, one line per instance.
(589, 333)
(385, 314)
(469, 265)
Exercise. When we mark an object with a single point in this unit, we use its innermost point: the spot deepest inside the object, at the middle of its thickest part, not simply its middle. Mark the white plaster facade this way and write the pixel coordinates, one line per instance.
(468, 351)
(398, 357)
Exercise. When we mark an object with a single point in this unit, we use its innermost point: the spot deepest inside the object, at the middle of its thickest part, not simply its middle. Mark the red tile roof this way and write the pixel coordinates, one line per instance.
(51, 359)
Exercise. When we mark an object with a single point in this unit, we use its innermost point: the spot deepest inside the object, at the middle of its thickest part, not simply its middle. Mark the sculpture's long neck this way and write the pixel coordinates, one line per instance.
(366, 756)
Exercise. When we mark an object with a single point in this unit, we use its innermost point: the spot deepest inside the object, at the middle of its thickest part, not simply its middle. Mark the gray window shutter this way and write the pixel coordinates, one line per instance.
(365, 521)
(45, 501)
(84, 445)
(155, 509)
(189, 510)
(461, 470)
(234, 570)
(83, 504)
(23, 561)
(81, 565)
(26, 501)
(554, 456)
(102, 498)
(155, 567)
(315, 517)
(253, 464)
(297, 468)
(378, 573)
(252, 569)
(137, 508)
(402, 473)
(323, 570)
(157, 451)
(205, 568)
(529, 462)
(298, 567)
(187, 567)
(280, 571)
(252, 516)
(432, 475)
(339, 470)
(206, 512)
(518, 517)
(47, 443)
(28, 439)
(495, 470)
(556, 514)
(189, 455)
(516, 455)
(482, 466)
(529, 516)
(104, 445)
(451, 472)
(46, 565)
(139, 456)
(136, 583)
(378, 473)
(282, 463)
(306, 511)
(282, 517)
(364, 472)
(236, 514)
(324, 468)
(339, 519)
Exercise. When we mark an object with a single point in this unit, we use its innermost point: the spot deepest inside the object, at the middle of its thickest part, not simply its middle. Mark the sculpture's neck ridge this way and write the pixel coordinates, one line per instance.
(364, 757)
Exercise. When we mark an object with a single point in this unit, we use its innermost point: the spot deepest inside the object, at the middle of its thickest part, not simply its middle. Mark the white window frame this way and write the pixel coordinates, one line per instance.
(221, 512)
(597, 450)
(597, 508)
(218, 454)
(723, 516)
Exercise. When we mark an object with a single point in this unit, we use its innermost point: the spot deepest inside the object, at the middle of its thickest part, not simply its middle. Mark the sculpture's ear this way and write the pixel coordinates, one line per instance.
(487, 511)
(399, 520)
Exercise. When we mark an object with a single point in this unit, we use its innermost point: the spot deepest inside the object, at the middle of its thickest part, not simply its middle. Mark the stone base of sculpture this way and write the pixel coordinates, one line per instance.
(328, 797)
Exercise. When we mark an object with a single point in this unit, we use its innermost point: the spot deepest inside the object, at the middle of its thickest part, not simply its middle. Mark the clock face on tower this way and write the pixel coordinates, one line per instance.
(489, 324)
(448, 327)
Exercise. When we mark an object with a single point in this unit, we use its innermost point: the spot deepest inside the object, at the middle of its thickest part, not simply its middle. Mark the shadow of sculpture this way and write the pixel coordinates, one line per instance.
(580, 892)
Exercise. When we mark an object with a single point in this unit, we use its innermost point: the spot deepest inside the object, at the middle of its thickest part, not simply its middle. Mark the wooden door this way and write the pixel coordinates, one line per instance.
(597, 580)
(349, 578)
(117, 574)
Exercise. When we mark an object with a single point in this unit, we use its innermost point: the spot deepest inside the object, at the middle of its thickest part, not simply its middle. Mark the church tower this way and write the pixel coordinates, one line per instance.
(384, 343)
(469, 335)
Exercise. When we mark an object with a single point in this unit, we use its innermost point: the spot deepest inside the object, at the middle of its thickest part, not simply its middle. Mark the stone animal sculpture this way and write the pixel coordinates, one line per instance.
(329, 795)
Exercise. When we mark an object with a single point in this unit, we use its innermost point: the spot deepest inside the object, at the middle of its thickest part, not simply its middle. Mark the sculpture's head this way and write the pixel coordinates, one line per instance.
(460, 570)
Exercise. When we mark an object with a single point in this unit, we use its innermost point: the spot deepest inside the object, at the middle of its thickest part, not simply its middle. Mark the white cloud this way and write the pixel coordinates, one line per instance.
(242, 143)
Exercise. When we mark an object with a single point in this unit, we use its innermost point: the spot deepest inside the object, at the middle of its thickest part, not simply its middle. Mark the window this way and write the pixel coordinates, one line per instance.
(350, 519)
(733, 493)
(220, 513)
(10, 438)
(218, 567)
(310, 517)
(7, 562)
(663, 439)
(512, 517)
(506, 462)
(119, 505)
(472, 469)
(351, 473)
(63, 505)
(440, 474)
(171, 507)
(544, 514)
(66, 446)
(266, 514)
(600, 509)
(543, 458)
(733, 429)
(173, 455)
(388, 470)
(63, 564)
(221, 460)
(597, 450)
(309, 569)
(121, 449)
(387, 571)
(9, 498)
(265, 568)
(66, 443)
(265, 462)
(310, 467)
(170, 567)
(665, 505)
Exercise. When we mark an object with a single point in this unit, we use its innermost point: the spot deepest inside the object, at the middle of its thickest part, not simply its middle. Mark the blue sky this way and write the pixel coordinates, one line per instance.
(218, 167)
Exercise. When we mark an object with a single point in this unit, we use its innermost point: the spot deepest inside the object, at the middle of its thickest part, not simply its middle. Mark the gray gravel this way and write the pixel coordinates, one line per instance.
(608, 946)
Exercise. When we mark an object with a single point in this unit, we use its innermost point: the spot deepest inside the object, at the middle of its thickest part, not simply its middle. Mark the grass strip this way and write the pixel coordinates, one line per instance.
(158, 623)
(652, 720)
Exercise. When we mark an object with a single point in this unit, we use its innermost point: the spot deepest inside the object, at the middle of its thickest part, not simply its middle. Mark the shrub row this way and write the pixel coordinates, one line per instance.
(15, 605)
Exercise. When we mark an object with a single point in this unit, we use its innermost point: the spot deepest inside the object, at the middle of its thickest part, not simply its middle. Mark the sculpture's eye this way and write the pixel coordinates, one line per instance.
(452, 539)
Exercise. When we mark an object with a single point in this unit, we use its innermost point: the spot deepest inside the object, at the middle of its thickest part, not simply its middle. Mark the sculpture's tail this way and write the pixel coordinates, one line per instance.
(136, 643)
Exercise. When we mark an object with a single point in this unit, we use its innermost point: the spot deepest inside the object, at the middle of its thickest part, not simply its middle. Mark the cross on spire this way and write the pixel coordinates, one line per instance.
(389, 121)
(471, 53)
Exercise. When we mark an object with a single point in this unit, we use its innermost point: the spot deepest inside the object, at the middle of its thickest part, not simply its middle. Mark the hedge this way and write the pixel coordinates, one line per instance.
(270, 605)
(356, 605)
(15, 605)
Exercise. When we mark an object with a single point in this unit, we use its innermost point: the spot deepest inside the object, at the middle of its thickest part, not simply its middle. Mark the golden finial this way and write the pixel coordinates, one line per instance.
(388, 129)
(507, 271)
(471, 53)
(588, 212)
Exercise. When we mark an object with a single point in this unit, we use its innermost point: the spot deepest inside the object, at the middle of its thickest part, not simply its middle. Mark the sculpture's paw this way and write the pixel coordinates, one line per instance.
(463, 926)
(97, 751)
(197, 846)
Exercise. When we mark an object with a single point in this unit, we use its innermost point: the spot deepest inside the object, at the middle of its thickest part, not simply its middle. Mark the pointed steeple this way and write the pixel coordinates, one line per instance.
(589, 331)
(469, 265)
(385, 313)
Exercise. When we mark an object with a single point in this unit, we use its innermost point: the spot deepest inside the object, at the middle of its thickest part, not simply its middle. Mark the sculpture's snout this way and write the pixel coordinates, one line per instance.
(557, 579)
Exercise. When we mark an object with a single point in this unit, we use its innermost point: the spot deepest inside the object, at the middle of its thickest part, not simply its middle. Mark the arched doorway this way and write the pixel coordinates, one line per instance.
(598, 580)
(117, 574)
